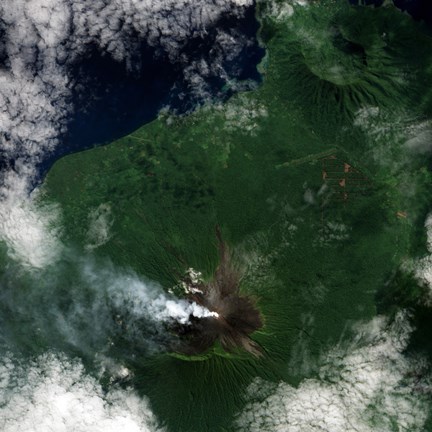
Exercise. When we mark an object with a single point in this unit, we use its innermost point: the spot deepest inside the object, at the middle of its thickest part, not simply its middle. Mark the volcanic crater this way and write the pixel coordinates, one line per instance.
(237, 315)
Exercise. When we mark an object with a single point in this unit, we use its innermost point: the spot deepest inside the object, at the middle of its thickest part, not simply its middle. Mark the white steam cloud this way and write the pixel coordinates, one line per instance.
(39, 42)
(106, 303)
(93, 308)
(53, 393)
(368, 386)
(143, 299)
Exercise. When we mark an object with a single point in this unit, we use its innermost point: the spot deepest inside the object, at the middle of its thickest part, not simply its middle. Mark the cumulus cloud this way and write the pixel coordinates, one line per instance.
(394, 137)
(41, 40)
(283, 10)
(100, 222)
(366, 386)
(53, 393)
(30, 230)
(423, 266)
(244, 114)
(420, 137)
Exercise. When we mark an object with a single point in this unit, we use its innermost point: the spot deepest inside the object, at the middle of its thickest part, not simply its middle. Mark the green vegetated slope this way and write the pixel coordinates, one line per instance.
(314, 179)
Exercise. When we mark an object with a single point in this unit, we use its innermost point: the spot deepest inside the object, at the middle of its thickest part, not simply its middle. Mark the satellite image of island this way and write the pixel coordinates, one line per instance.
(215, 216)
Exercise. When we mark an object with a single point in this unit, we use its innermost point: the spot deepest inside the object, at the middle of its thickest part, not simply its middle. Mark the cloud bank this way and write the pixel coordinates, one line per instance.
(53, 393)
(42, 40)
(367, 386)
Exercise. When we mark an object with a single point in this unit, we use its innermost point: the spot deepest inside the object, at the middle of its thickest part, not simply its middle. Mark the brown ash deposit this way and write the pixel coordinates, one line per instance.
(238, 316)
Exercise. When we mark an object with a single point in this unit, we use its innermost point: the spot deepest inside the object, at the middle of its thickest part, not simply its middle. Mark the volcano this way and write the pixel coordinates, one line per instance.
(235, 318)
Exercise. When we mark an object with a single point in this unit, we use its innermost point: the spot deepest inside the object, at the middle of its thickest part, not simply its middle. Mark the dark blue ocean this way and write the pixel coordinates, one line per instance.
(110, 101)
(420, 10)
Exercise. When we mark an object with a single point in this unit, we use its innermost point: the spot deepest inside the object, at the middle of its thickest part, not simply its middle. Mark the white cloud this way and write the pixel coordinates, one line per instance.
(394, 137)
(423, 266)
(419, 137)
(43, 38)
(100, 223)
(142, 299)
(30, 230)
(244, 114)
(92, 306)
(109, 301)
(283, 10)
(367, 386)
(55, 394)
(331, 233)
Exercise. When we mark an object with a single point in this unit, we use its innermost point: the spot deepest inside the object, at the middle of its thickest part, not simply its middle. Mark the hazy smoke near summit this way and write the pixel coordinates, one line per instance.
(41, 41)
(91, 307)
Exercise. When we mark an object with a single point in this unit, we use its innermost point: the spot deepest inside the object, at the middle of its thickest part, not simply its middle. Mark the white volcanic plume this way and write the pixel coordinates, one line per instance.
(141, 298)
(92, 307)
